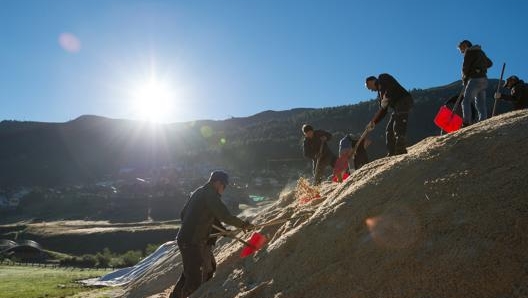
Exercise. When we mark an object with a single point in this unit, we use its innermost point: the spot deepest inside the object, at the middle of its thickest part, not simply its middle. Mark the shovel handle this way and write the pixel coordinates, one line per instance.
(498, 88)
(457, 103)
(319, 156)
(226, 233)
(279, 221)
(361, 138)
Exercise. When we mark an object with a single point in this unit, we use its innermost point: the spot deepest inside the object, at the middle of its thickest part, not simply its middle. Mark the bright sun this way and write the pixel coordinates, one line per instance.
(152, 101)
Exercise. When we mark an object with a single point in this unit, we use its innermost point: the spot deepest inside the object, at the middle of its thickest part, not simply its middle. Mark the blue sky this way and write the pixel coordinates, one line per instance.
(174, 61)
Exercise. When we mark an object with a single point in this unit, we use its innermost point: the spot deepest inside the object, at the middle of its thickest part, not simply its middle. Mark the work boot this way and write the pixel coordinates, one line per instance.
(399, 145)
(391, 150)
(399, 152)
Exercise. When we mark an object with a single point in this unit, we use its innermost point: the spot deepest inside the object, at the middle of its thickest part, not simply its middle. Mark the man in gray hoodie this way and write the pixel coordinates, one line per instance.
(475, 80)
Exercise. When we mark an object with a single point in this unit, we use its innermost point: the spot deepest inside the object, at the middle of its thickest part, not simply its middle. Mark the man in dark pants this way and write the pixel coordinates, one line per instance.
(391, 94)
(203, 209)
(518, 93)
(316, 148)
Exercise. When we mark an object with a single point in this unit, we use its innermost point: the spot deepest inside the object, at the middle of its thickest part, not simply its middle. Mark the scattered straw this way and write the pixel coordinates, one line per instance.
(305, 192)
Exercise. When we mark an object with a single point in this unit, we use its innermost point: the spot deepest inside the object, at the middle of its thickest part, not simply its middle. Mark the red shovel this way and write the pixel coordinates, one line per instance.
(255, 243)
(447, 119)
(257, 240)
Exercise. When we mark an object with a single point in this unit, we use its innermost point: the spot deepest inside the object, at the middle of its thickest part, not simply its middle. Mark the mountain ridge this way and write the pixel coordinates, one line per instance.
(90, 147)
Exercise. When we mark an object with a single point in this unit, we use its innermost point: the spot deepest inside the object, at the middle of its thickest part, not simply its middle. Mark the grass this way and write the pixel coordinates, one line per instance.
(35, 282)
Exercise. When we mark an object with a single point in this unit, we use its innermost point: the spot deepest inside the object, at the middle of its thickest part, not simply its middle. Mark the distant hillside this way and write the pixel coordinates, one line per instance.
(91, 148)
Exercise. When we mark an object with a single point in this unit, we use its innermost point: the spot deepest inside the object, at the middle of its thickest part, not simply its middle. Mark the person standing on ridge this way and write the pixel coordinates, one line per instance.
(391, 94)
(518, 93)
(201, 211)
(316, 148)
(475, 79)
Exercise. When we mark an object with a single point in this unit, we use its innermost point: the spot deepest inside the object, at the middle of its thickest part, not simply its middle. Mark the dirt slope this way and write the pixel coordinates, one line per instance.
(449, 219)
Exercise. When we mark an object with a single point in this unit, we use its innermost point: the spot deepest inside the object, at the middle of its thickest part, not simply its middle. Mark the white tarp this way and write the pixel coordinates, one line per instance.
(124, 276)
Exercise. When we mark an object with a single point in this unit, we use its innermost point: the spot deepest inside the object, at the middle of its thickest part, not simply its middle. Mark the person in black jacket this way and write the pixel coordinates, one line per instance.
(391, 94)
(475, 80)
(315, 147)
(201, 211)
(518, 93)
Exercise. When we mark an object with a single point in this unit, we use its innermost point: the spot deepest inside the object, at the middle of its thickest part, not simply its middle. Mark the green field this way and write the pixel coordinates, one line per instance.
(35, 282)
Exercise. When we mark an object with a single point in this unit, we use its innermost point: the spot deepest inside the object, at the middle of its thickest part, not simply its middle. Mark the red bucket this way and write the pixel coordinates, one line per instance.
(447, 120)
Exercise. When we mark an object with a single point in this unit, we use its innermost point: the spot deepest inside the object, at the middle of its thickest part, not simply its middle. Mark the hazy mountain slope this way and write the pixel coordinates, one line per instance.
(89, 148)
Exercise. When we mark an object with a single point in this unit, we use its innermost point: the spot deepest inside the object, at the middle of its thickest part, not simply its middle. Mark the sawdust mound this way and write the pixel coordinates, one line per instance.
(449, 219)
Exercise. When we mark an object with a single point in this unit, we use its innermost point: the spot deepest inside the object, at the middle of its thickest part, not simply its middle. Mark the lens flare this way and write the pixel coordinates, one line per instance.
(206, 131)
(397, 228)
(69, 42)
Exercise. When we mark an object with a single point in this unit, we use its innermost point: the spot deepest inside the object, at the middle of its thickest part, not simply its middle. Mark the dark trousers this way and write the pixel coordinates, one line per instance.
(198, 267)
(396, 133)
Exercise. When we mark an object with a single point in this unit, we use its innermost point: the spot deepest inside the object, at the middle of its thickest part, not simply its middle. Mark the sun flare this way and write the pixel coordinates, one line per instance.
(152, 101)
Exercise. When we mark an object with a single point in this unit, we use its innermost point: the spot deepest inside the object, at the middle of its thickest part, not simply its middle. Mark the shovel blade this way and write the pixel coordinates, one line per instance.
(447, 120)
(256, 242)
(344, 176)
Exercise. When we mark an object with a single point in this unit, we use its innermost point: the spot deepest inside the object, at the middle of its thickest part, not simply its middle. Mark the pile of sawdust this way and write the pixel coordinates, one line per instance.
(449, 219)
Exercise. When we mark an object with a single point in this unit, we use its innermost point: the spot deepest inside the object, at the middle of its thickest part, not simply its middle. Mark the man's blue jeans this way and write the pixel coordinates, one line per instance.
(475, 92)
